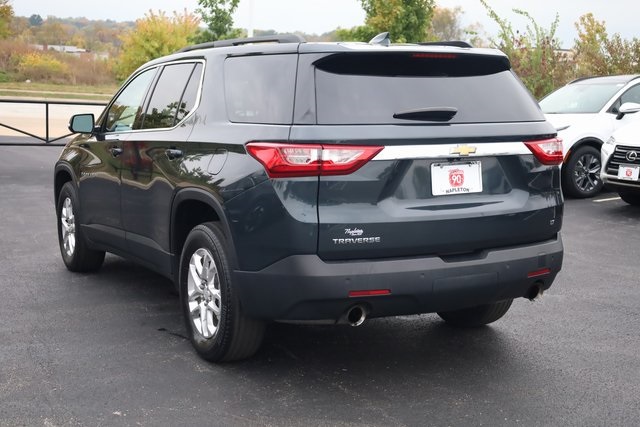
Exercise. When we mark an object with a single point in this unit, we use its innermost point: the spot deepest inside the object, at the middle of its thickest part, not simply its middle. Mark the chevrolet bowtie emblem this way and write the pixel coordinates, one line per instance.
(463, 150)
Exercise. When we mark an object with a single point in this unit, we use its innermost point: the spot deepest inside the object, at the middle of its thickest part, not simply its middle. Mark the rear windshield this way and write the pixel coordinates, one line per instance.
(372, 88)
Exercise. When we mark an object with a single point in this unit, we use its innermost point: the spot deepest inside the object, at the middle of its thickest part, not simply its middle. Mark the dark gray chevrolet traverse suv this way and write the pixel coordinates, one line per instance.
(320, 183)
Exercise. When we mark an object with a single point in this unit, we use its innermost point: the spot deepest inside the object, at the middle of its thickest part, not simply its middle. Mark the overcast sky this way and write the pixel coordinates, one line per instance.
(319, 16)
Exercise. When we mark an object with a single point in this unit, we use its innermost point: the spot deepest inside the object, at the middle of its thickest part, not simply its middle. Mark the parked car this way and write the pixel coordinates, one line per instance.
(621, 160)
(586, 112)
(277, 180)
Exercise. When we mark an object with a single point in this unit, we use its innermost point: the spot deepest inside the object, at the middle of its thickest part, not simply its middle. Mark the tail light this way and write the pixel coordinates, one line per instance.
(548, 151)
(285, 160)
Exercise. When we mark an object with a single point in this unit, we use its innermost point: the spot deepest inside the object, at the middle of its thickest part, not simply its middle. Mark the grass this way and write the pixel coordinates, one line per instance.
(48, 90)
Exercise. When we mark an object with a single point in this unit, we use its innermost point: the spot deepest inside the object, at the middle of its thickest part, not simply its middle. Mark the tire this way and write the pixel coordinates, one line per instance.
(73, 247)
(632, 198)
(215, 324)
(581, 173)
(476, 316)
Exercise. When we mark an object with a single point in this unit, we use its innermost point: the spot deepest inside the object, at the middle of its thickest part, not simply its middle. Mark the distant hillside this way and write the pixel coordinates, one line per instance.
(95, 36)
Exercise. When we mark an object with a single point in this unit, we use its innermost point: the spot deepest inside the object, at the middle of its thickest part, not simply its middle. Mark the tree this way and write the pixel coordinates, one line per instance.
(598, 54)
(535, 54)
(445, 24)
(51, 32)
(590, 50)
(6, 15)
(35, 20)
(406, 20)
(154, 36)
(218, 16)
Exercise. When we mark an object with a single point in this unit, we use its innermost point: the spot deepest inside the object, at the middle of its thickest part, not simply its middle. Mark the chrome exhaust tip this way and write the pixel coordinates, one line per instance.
(535, 292)
(356, 315)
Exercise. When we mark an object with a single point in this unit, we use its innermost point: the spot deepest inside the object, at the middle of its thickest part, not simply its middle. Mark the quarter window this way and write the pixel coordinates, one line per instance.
(259, 89)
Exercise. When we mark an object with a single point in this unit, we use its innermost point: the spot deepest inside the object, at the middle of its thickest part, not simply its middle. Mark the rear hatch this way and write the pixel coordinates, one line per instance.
(451, 174)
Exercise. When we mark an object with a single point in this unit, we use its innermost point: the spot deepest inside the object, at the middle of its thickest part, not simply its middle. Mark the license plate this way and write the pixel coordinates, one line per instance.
(628, 173)
(456, 178)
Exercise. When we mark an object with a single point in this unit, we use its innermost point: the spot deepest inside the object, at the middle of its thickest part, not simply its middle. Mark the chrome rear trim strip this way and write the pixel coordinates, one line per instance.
(439, 151)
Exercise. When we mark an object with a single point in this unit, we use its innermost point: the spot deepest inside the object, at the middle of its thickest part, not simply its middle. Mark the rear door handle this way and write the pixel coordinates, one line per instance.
(173, 153)
(115, 151)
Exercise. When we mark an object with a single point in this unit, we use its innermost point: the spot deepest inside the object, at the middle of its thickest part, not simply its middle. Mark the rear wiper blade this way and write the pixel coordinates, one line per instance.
(433, 114)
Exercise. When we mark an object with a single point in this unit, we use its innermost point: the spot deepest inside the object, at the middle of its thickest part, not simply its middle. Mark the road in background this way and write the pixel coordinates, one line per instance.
(109, 348)
(31, 118)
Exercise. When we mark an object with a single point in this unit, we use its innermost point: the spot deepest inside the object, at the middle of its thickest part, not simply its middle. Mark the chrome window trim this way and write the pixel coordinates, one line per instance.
(195, 107)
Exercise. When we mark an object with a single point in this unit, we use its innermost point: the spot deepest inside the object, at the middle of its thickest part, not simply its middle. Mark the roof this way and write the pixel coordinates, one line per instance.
(619, 79)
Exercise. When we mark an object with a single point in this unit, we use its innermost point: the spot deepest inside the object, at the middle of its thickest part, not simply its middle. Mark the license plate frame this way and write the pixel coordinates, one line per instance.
(629, 172)
(450, 178)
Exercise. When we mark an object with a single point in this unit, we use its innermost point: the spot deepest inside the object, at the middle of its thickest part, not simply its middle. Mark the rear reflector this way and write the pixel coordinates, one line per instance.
(538, 273)
(547, 151)
(369, 293)
(285, 160)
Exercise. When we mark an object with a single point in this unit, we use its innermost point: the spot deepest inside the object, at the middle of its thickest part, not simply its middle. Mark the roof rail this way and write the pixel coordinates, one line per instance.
(276, 38)
(455, 43)
(630, 77)
(579, 79)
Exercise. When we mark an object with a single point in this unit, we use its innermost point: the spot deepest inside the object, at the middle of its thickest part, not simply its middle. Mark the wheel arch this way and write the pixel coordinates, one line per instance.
(591, 141)
(191, 207)
(63, 174)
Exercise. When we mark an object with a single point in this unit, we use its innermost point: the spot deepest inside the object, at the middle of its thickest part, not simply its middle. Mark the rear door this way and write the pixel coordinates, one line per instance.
(453, 175)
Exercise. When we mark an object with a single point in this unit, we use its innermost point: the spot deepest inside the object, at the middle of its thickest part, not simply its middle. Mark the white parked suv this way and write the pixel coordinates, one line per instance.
(586, 112)
(621, 162)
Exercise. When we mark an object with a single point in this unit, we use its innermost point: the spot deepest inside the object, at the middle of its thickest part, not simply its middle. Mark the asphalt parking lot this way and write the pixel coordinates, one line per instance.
(109, 348)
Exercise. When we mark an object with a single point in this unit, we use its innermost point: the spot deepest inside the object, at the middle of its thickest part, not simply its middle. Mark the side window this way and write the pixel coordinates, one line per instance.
(168, 104)
(631, 95)
(126, 109)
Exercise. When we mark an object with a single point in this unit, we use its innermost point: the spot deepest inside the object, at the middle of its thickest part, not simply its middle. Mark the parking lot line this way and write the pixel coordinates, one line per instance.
(609, 199)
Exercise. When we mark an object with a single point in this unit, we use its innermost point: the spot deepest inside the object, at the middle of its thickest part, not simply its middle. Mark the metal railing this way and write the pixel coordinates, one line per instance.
(47, 140)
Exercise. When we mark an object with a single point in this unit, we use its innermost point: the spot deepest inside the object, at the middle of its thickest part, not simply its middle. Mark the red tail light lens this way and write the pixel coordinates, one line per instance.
(284, 160)
(548, 151)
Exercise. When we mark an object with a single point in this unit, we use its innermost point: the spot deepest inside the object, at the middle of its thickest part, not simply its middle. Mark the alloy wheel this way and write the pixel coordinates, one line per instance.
(204, 299)
(586, 173)
(68, 223)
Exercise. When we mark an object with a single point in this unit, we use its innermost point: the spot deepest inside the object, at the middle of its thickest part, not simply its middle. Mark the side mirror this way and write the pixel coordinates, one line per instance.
(627, 108)
(84, 123)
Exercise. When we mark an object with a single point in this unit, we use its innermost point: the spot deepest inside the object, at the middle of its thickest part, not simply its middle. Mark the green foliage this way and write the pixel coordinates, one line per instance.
(42, 66)
(218, 16)
(52, 32)
(6, 15)
(598, 54)
(406, 20)
(154, 36)
(535, 54)
(35, 20)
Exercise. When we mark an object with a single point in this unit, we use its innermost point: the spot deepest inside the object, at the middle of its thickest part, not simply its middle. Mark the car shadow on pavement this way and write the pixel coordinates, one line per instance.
(410, 346)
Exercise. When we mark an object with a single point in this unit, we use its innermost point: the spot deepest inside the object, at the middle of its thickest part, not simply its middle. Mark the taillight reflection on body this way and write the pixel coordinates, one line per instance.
(286, 160)
(547, 151)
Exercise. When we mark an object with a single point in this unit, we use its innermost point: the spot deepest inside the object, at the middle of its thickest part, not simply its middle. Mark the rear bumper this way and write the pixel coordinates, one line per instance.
(306, 288)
